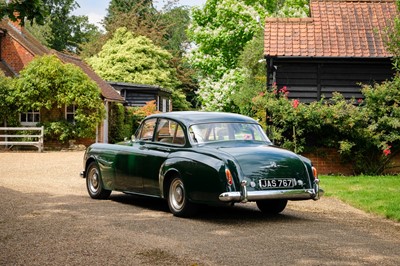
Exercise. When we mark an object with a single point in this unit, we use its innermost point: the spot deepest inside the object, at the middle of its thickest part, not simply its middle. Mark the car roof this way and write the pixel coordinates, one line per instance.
(199, 117)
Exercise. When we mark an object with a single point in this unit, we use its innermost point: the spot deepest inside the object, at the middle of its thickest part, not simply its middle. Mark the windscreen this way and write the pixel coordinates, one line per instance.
(212, 132)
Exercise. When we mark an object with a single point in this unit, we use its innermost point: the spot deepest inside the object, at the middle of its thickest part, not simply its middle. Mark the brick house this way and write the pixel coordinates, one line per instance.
(340, 46)
(18, 47)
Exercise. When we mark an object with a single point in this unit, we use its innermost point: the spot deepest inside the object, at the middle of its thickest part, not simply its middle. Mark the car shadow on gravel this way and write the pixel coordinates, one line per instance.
(239, 213)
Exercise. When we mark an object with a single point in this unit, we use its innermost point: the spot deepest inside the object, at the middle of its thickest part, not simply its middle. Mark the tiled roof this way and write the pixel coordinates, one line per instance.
(107, 90)
(24, 38)
(32, 45)
(336, 28)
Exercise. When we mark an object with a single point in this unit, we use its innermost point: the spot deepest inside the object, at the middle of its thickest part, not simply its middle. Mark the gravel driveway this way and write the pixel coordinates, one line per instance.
(47, 218)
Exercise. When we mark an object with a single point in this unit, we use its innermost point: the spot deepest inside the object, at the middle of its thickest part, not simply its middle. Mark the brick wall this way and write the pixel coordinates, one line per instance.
(14, 54)
(327, 161)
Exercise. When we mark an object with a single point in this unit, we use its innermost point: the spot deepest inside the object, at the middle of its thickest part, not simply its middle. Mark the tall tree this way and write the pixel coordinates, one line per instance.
(128, 58)
(221, 30)
(63, 31)
(21, 10)
(142, 8)
(68, 32)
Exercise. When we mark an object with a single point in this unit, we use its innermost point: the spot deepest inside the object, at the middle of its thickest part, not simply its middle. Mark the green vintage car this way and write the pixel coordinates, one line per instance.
(193, 158)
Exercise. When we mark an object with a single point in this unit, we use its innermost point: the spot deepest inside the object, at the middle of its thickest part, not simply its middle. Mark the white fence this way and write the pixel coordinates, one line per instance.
(30, 139)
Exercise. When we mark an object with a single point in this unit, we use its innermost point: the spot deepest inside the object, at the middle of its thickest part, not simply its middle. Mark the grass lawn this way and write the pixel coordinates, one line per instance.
(374, 194)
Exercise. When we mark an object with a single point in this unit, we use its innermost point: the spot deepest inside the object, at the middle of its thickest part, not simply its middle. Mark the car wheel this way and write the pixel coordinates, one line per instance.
(178, 203)
(272, 206)
(94, 183)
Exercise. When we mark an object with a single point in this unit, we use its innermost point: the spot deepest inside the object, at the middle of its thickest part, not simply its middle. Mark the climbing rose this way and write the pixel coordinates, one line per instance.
(295, 103)
(387, 151)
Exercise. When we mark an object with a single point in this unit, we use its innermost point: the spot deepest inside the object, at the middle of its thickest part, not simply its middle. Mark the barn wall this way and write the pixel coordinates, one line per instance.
(310, 79)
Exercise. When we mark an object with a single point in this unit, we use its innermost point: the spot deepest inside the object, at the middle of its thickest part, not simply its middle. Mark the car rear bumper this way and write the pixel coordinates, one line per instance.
(291, 194)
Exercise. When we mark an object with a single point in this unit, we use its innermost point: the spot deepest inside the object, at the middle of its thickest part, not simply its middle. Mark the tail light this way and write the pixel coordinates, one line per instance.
(315, 172)
(228, 176)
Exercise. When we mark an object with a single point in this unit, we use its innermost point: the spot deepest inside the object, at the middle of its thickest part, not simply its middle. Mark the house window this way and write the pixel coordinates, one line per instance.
(164, 105)
(30, 118)
(70, 111)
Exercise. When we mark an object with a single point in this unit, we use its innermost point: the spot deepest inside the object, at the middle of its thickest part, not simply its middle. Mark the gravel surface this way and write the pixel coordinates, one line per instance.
(47, 218)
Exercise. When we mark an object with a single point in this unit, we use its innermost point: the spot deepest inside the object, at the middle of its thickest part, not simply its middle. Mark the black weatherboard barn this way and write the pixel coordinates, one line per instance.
(137, 95)
(336, 49)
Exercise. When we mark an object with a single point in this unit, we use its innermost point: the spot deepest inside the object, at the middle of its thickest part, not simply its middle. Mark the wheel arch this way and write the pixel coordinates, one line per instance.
(87, 163)
(165, 180)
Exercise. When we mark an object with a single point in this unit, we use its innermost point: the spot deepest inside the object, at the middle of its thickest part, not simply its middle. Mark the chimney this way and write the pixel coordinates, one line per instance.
(17, 23)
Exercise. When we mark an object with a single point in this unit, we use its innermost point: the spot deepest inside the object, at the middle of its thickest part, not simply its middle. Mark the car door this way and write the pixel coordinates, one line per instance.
(131, 161)
(168, 138)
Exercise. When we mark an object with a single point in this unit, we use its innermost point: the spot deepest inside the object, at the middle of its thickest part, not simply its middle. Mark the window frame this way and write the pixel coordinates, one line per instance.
(34, 114)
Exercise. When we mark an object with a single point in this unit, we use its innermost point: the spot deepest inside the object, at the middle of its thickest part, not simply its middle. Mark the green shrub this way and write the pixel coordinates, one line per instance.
(121, 123)
(365, 132)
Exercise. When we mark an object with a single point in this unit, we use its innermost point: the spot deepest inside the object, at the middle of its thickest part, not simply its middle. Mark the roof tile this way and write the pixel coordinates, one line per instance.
(343, 28)
(31, 44)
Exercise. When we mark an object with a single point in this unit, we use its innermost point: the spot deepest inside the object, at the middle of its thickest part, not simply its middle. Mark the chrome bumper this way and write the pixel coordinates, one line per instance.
(292, 194)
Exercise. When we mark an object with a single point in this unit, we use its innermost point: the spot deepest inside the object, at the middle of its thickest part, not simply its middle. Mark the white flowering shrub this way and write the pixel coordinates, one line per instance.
(216, 94)
(220, 31)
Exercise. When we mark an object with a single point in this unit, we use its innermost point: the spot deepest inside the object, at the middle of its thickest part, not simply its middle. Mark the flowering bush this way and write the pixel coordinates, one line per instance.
(365, 132)
(221, 30)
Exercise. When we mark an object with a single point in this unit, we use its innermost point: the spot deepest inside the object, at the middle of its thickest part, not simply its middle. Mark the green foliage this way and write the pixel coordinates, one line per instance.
(367, 134)
(221, 31)
(142, 8)
(8, 114)
(393, 41)
(374, 194)
(46, 83)
(126, 58)
(254, 78)
(121, 122)
(32, 10)
(63, 31)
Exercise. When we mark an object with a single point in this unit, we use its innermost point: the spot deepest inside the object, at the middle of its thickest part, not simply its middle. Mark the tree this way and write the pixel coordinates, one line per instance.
(21, 10)
(47, 84)
(254, 80)
(142, 8)
(221, 30)
(63, 31)
(127, 58)
(393, 39)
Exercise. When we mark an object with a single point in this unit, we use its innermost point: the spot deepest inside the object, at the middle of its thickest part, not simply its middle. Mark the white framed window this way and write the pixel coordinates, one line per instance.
(70, 112)
(164, 105)
(30, 118)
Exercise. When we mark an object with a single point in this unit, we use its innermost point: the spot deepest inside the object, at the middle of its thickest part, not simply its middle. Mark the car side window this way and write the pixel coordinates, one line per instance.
(169, 131)
(147, 130)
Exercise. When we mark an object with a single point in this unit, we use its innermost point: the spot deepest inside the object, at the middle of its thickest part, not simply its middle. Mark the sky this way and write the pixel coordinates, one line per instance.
(96, 9)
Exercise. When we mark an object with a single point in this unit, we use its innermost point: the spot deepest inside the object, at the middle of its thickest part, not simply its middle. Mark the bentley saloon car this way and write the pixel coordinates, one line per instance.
(208, 158)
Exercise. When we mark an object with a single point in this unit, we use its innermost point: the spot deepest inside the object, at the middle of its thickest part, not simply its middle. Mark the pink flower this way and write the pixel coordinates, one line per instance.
(387, 151)
(284, 89)
(295, 103)
(261, 94)
(360, 100)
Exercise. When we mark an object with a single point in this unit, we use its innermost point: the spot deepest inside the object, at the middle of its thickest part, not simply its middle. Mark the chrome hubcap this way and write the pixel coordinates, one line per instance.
(177, 194)
(93, 180)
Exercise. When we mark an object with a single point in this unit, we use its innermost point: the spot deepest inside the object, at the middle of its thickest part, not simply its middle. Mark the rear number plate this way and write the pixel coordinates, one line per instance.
(277, 183)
